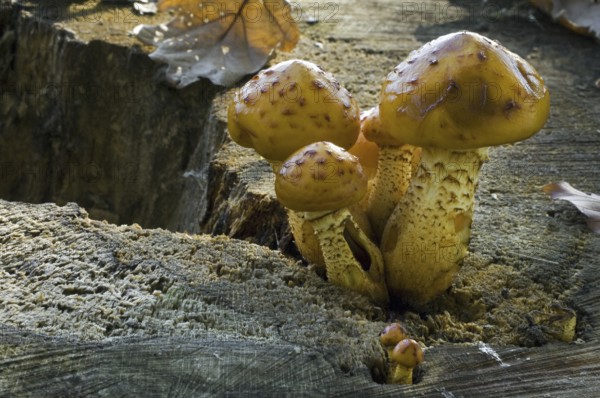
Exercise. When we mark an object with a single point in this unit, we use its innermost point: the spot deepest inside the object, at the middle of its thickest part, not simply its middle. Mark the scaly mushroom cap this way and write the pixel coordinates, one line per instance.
(320, 177)
(290, 105)
(461, 91)
(407, 353)
(392, 335)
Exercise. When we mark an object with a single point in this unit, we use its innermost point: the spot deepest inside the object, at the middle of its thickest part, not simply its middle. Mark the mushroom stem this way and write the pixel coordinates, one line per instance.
(400, 374)
(404, 357)
(427, 235)
(389, 185)
(306, 239)
(352, 259)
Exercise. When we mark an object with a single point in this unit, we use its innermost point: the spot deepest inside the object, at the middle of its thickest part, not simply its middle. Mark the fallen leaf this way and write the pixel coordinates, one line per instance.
(145, 7)
(220, 40)
(580, 16)
(588, 204)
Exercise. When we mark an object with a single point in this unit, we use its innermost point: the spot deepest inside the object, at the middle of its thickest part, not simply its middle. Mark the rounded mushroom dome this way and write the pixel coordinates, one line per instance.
(392, 335)
(320, 177)
(461, 91)
(289, 105)
(407, 353)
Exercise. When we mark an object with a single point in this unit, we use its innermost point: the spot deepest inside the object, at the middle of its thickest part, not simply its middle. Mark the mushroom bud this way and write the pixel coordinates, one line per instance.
(407, 354)
(454, 97)
(392, 335)
(322, 180)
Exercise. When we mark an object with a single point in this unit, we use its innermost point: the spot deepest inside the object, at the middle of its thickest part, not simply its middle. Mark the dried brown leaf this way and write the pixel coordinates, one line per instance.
(588, 204)
(220, 40)
(580, 16)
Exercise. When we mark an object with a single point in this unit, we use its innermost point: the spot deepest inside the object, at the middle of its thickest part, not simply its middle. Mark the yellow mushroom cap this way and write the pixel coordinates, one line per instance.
(392, 335)
(407, 353)
(462, 91)
(320, 177)
(366, 151)
(371, 127)
(290, 105)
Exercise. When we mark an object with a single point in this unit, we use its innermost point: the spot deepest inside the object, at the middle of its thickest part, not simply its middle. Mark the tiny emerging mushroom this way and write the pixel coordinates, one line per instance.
(476, 94)
(392, 335)
(323, 180)
(403, 353)
(406, 355)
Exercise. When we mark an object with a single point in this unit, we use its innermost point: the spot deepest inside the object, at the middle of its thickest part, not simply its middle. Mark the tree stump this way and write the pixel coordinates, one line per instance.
(92, 308)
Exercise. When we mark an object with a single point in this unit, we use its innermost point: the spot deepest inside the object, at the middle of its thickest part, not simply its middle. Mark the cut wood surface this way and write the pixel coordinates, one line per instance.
(89, 308)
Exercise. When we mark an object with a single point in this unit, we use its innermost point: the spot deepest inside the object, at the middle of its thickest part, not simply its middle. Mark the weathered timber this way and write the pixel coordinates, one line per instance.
(89, 308)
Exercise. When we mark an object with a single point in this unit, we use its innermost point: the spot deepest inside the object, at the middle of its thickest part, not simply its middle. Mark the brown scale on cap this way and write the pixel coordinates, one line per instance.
(284, 95)
(474, 83)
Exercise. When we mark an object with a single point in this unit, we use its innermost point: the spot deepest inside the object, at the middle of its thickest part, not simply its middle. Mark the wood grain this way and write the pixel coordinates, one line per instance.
(515, 226)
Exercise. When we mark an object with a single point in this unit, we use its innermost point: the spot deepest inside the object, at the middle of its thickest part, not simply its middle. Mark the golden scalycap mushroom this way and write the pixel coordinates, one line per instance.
(407, 353)
(404, 357)
(320, 177)
(454, 97)
(290, 105)
(461, 91)
(392, 335)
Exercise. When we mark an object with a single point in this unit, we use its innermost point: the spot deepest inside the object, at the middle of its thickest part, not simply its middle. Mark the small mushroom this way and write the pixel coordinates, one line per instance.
(403, 353)
(394, 170)
(322, 180)
(454, 97)
(286, 107)
(406, 355)
(392, 335)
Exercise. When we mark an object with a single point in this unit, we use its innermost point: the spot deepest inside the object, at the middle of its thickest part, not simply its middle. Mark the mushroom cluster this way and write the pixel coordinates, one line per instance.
(383, 200)
(299, 118)
(403, 353)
